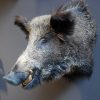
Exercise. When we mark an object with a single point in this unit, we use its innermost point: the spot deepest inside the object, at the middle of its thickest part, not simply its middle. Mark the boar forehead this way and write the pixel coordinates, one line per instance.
(40, 25)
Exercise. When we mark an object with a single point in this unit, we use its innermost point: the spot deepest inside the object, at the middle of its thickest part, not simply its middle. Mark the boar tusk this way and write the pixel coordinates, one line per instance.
(31, 71)
(29, 79)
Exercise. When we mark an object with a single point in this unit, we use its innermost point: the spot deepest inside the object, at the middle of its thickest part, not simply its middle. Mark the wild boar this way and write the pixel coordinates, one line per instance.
(59, 44)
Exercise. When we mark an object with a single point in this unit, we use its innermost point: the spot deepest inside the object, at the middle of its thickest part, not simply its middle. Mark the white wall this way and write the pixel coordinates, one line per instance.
(12, 43)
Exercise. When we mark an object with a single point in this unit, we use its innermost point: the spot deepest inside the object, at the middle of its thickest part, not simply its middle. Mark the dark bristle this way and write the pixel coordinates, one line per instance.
(79, 4)
(62, 23)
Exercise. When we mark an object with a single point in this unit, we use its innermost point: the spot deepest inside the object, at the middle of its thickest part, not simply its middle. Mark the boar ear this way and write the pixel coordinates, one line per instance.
(23, 24)
(62, 22)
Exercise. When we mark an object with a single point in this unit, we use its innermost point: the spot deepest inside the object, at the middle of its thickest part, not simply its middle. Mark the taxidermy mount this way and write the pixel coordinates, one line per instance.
(59, 44)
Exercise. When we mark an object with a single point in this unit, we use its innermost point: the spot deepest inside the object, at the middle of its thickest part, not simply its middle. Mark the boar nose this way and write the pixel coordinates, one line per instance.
(10, 78)
(16, 78)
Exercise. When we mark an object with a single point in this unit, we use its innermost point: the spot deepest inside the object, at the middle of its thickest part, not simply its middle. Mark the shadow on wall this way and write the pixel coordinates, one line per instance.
(51, 91)
(61, 89)
(5, 6)
(3, 86)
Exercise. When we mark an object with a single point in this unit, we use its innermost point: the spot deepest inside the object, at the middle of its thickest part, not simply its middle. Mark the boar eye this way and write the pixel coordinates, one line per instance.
(44, 40)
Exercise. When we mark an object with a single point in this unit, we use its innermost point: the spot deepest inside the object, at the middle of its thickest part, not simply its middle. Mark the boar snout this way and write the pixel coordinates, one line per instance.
(28, 79)
(15, 76)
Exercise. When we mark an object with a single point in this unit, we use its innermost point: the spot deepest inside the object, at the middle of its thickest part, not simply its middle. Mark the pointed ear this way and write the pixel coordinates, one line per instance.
(62, 22)
(23, 24)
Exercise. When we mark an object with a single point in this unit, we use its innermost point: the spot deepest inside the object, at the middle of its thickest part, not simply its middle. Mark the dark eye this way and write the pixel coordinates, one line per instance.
(44, 40)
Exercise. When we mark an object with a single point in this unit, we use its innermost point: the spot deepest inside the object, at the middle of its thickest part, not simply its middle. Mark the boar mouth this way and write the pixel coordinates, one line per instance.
(28, 79)
(32, 80)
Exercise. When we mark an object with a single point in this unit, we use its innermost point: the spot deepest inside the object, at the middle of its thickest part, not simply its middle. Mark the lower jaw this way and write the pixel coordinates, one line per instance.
(34, 82)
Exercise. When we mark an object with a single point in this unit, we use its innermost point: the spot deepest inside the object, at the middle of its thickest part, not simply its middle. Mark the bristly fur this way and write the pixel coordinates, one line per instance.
(74, 3)
(78, 4)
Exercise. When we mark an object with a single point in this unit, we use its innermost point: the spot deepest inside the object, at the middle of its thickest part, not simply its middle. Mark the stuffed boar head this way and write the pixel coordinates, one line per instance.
(59, 44)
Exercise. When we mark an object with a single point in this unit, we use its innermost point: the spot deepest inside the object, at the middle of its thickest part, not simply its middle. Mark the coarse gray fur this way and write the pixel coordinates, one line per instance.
(55, 53)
